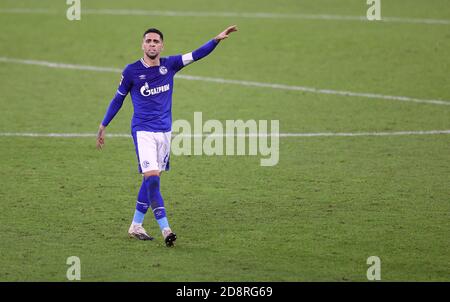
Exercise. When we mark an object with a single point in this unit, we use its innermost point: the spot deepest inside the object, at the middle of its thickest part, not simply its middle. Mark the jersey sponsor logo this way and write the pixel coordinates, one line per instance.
(147, 91)
(163, 70)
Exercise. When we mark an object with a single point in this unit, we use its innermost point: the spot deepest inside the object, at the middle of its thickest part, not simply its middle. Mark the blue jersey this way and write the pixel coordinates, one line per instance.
(151, 89)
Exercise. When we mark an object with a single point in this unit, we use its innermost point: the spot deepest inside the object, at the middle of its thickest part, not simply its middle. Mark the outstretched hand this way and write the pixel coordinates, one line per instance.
(223, 35)
(100, 137)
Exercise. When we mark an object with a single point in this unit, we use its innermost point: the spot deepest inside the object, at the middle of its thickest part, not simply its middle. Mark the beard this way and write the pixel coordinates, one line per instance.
(152, 56)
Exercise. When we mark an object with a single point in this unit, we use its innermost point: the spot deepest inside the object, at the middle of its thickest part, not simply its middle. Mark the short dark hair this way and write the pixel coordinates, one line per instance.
(156, 31)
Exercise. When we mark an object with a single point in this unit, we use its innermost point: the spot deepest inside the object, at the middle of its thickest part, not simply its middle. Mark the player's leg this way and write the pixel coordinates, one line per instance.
(154, 194)
(146, 152)
(152, 179)
(136, 229)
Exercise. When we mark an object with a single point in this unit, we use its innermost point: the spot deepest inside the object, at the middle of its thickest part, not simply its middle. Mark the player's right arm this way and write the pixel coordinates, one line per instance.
(114, 107)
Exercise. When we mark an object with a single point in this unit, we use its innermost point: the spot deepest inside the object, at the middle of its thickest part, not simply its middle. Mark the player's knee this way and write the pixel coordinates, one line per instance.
(151, 173)
(152, 182)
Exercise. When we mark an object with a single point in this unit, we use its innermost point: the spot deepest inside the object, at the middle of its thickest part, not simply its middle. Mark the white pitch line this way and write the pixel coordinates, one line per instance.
(68, 135)
(316, 90)
(313, 134)
(45, 11)
(209, 14)
(236, 82)
(59, 65)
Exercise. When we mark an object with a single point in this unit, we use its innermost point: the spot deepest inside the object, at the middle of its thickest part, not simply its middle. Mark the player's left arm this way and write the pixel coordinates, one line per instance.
(207, 48)
(223, 35)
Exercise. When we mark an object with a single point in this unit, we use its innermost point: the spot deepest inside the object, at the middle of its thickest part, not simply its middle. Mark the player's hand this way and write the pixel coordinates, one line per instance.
(100, 137)
(225, 33)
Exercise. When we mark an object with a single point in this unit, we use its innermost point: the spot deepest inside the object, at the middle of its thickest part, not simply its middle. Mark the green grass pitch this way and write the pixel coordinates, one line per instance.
(330, 202)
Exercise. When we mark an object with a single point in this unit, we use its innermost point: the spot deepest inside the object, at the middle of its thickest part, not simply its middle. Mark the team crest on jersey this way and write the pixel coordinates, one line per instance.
(163, 70)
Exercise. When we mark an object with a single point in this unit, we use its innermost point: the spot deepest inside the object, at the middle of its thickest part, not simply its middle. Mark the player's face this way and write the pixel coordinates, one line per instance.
(152, 45)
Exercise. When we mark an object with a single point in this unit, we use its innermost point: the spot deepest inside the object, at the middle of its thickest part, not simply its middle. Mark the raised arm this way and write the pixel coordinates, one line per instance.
(207, 48)
(223, 35)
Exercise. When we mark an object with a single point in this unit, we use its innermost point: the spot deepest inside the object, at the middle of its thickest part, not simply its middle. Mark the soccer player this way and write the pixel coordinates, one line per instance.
(149, 80)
